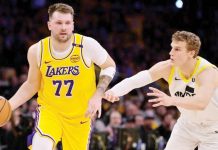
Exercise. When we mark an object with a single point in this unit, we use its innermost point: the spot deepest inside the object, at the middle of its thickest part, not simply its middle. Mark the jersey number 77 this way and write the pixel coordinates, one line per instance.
(59, 84)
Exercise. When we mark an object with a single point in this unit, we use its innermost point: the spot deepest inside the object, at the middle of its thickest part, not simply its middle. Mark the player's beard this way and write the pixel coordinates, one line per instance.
(62, 40)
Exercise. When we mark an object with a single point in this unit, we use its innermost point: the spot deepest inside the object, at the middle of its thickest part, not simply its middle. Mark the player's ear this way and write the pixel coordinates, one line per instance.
(192, 53)
(49, 25)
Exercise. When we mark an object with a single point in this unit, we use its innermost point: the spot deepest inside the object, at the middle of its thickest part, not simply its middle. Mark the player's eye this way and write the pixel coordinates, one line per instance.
(58, 23)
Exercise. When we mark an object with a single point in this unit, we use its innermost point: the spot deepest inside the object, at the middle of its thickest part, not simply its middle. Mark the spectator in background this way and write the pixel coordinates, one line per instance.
(166, 126)
(112, 129)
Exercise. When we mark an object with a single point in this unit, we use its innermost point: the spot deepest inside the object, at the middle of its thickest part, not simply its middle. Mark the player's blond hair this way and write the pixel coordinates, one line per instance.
(193, 41)
(60, 7)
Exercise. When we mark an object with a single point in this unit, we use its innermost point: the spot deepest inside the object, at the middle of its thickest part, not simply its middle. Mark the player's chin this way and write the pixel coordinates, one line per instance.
(174, 63)
(63, 39)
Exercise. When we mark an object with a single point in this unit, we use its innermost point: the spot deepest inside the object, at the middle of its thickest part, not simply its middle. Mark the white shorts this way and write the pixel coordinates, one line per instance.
(187, 135)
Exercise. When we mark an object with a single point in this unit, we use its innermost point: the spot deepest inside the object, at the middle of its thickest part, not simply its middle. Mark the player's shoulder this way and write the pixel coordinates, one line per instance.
(165, 65)
(216, 74)
(34, 48)
(89, 43)
(165, 62)
(162, 66)
(209, 74)
(213, 70)
(88, 39)
(206, 66)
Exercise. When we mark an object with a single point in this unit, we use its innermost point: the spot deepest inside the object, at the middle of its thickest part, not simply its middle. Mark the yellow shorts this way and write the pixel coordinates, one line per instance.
(73, 133)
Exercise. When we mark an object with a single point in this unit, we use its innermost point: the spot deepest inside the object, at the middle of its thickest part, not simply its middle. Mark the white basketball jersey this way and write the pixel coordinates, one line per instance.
(181, 87)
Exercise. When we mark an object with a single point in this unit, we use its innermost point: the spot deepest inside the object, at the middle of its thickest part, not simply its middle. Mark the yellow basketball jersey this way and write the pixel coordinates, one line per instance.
(67, 84)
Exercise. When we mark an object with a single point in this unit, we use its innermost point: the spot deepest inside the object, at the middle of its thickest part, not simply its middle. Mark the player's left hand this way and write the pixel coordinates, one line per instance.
(161, 98)
(94, 106)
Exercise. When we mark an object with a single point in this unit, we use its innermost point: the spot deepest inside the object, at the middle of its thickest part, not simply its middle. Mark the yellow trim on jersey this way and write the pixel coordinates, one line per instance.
(194, 72)
(78, 39)
(41, 53)
(172, 72)
(44, 46)
(83, 60)
(205, 67)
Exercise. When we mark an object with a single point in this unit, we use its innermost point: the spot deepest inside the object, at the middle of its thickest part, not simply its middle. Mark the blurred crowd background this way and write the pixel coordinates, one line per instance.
(136, 33)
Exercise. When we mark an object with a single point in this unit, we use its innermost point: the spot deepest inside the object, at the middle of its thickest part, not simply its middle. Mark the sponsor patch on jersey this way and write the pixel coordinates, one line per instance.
(74, 58)
(47, 62)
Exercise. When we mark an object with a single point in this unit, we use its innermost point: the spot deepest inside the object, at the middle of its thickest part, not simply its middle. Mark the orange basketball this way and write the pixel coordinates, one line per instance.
(5, 111)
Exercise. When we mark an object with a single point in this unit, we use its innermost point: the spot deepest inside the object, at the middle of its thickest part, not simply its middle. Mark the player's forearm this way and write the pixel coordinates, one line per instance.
(125, 86)
(103, 83)
(25, 93)
(106, 75)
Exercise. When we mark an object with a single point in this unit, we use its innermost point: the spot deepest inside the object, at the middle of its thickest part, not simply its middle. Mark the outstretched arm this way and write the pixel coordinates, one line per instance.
(29, 88)
(204, 92)
(139, 80)
(159, 70)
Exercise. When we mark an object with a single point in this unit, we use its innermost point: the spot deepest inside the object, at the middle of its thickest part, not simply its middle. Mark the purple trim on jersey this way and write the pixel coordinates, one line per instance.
(81, 53)
(30, 137)
(45, 134)
(37, 117)
(37, 129)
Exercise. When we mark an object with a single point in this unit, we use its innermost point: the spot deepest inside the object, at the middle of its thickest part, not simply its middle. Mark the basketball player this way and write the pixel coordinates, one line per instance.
(193, 84)
(61, 70)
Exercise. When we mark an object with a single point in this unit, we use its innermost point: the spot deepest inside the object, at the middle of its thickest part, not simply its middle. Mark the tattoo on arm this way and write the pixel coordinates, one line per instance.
(103, 83)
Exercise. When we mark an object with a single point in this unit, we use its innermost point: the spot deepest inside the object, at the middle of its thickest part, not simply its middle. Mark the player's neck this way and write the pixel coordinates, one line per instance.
(188, 68)
(60, 46)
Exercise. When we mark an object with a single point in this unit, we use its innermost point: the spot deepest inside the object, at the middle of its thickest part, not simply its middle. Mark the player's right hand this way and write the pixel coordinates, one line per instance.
(109, 95)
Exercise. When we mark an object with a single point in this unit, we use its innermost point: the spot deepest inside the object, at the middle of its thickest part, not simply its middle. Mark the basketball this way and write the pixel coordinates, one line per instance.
(5, 111)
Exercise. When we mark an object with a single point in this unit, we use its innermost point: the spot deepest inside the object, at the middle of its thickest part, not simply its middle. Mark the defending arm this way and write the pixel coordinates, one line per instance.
(125, 86)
